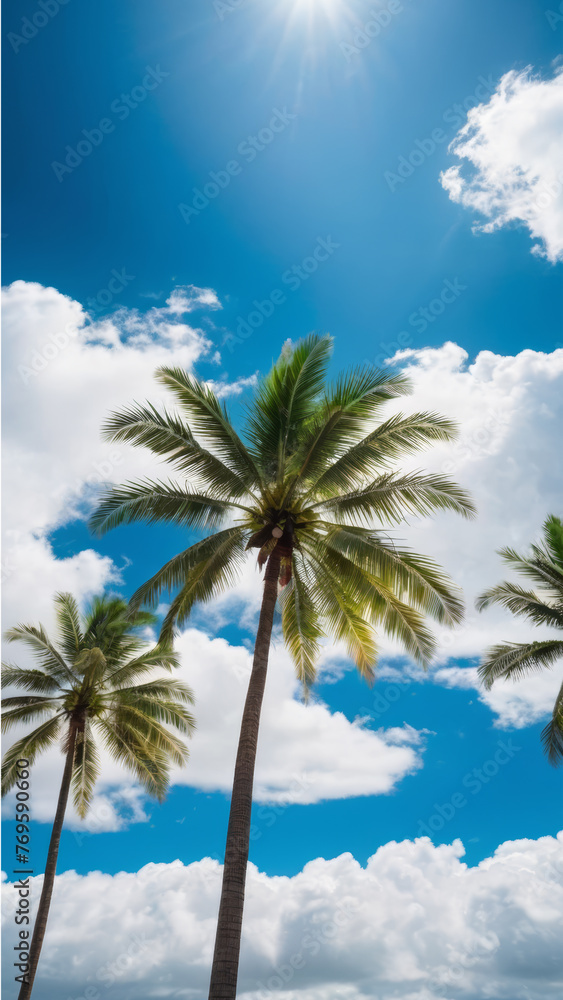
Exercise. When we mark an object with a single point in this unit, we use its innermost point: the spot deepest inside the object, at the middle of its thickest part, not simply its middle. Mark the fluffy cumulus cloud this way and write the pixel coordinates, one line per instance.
(512, 148)
(62, 373)
(415, 924)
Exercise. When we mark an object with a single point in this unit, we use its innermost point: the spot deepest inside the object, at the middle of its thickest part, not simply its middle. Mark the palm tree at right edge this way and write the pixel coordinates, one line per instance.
(513, 660)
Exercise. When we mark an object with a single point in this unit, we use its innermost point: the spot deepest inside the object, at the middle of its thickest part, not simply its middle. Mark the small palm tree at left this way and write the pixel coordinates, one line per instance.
(94, 688)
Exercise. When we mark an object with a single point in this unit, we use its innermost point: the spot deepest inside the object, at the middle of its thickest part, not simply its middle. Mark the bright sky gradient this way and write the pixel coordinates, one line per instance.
(195, 183)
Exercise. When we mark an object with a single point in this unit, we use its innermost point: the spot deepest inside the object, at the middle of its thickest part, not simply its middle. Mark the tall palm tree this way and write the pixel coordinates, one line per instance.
(513, 660)
(304, 485)
(87, 691)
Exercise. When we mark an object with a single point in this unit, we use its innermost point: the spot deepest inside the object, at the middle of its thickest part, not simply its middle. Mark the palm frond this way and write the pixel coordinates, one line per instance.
(155, 502)
(413, 577)
(210, 420)
(386, 444)
(169, 437)
(28, 678)
(22, 709)
(131, 748)
(521, 602)
(48, 656)
(69, 626)
(514, 659)
(29, 748)
(391, 497)
(377, 602)
(553, 533)
(286, 398)
(343, 417)
(86, 769)
(212, 560)
(161, 657)
(337, 599)
(552, 734)
(302, 631)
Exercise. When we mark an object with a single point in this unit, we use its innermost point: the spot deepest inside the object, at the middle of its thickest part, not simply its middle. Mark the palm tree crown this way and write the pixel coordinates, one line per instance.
(311, 475)
(88, 684)
(513, 660)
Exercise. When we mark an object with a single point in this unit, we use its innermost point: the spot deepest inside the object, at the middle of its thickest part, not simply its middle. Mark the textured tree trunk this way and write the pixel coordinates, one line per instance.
(50, 868)
(224, 971)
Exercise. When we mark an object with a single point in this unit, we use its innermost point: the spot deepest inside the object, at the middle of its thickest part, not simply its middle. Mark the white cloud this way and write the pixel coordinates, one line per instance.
(514, 145)
(415, 924)
(510, 411)
(327, 757)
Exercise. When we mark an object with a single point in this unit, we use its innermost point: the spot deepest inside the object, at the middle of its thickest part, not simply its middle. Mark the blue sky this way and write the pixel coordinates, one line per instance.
(170, 94)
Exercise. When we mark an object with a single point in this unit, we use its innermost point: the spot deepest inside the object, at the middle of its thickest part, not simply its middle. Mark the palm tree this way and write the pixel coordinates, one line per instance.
(86, 689)
(303, 486)
(513, 660)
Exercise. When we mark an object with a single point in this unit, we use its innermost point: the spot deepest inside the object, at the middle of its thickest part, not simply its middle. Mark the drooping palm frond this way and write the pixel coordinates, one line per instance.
(212, 574)
(51, 660)
(86, 769)
(301, 622)
(208, 560)
(29, 747)
(414, 578)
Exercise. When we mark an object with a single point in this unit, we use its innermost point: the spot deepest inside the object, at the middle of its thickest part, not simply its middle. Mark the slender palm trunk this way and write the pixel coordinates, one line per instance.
(224, 971)
(50, 868)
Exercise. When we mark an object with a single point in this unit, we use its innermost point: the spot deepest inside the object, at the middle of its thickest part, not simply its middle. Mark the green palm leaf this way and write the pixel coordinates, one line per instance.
(29, 747)
(156, 502)
(170, 438)
(301, 624)
(210, 420)
(543, 565)
(391, 496)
